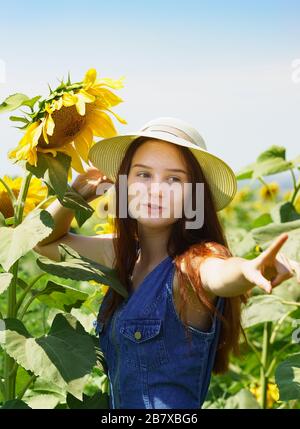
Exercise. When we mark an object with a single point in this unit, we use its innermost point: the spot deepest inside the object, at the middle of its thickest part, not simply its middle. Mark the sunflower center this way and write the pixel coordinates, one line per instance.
(68, 123)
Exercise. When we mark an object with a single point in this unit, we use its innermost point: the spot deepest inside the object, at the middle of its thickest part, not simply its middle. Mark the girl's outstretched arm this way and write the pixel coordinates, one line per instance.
(235, 275)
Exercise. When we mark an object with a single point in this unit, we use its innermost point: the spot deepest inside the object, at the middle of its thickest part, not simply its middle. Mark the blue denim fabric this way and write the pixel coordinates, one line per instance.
(151, 363)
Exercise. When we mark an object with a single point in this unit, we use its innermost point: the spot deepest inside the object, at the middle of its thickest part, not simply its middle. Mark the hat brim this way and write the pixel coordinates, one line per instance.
(107, 155)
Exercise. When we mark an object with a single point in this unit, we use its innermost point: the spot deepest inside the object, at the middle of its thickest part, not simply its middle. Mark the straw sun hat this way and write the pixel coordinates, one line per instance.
(107, 154)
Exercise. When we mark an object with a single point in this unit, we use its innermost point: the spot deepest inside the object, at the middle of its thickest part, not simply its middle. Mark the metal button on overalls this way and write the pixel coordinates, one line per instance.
(137, 335)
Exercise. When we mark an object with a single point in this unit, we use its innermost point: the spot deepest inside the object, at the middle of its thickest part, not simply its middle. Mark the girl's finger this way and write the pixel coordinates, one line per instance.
(274, 248)
(283, 268)
(259, 280)
(281, 277)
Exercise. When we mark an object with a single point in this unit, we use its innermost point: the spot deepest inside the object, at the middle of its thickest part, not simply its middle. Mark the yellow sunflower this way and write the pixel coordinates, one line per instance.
(103, 287)
(270, 191)
(68, 120)
(37, 192)
(107, 227)
(272, 393)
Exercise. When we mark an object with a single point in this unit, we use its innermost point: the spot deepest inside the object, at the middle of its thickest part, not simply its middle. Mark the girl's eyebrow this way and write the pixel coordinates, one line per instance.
(178, 170)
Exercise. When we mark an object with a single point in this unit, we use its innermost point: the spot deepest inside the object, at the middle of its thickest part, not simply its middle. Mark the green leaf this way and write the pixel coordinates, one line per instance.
(19, 119)
(16, 242)
(246, 172)
(273, 152)
(64, 357)
(5, 279)
(61, 296)
(53, 170)
(44, 401)
(31, 102)
(284, 212)
(23, 127)
(271, 166)
(43, 386)
(264, 308)
(269, 162)
(15, 404)
(22, 379)
(262, 220)
(73, 200)
(13, 102)
(77, 267)
(287, 376)
(265, 235)
(98, 401)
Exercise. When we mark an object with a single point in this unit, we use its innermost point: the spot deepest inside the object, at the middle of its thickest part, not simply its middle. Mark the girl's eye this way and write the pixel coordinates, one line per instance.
(139, 174)
(177, 179)
(145, 174)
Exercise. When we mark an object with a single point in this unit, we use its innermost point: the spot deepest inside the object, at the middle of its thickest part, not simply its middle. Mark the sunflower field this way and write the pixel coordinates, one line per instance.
(48, 308)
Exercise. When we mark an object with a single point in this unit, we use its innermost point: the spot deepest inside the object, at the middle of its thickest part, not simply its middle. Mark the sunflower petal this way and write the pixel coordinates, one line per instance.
(70, 174)
(45, 133)
(112, 83)
(86, 97)
(57, 104)
(101, 124)
(89, 78)
(69, 99)
(107, 98)
(76, 161)
(27, 153)
(80, 106)
(82, 147)
(117, 116)
(49, 125)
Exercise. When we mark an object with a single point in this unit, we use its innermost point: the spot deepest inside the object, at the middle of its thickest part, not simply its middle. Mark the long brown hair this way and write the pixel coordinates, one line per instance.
(184, 245)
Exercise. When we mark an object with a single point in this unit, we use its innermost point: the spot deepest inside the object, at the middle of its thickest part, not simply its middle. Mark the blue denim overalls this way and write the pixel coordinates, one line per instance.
(151, 363)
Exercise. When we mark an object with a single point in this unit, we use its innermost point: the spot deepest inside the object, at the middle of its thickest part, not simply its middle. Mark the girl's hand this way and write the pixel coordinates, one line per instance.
(86, 184)
(270, 269)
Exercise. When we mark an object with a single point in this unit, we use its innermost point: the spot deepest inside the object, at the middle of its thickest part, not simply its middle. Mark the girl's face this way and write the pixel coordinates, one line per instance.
(155, 183)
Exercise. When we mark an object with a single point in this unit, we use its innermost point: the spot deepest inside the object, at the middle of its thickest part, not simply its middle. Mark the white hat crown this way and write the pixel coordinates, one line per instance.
(177, 127)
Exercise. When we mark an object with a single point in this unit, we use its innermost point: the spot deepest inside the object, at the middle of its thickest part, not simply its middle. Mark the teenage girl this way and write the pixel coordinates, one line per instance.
(182, 317)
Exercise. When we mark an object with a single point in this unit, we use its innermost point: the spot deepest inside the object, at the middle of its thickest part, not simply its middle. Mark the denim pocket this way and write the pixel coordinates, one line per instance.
(143, 343)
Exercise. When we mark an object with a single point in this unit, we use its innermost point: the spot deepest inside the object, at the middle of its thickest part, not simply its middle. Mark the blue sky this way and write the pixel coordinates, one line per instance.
(225, 67)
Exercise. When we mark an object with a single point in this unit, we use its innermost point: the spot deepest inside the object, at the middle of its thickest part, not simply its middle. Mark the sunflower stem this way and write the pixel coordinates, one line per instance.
(28, 303)
(26, 291)
(275, 359)
(9, 363)
(2, 387)
(29, 382)
(22, 197)
(264, 362)
(51, 197)
(10, 192)
(296, 188)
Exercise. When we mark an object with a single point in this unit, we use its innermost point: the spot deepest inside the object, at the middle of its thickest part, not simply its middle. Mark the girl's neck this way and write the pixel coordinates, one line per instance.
(152, 245)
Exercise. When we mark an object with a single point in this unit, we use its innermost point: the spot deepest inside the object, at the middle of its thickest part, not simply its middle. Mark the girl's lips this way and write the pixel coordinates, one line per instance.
(153, 206)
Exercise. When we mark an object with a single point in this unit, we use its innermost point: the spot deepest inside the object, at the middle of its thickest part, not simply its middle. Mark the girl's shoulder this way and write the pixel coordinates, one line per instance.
(209, 248)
